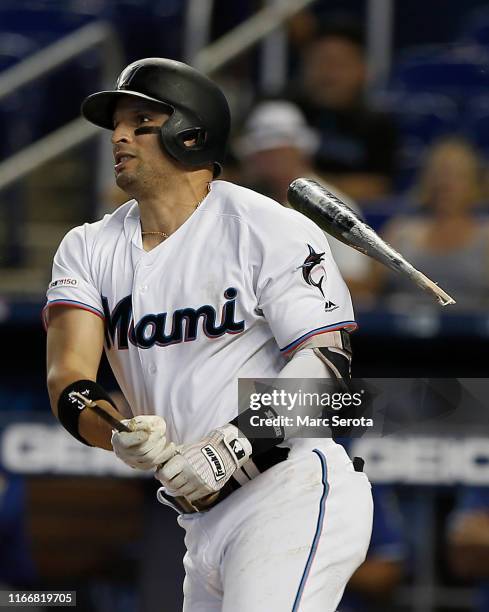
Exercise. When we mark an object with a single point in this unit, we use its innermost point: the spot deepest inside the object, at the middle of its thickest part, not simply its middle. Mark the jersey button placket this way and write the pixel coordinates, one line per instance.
(140, 289)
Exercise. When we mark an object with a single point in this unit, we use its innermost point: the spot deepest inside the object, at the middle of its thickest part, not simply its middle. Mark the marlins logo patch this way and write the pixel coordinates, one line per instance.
(125, 77)
(311, 261)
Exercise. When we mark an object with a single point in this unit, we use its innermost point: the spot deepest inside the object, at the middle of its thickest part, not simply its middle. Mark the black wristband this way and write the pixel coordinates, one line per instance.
(70, 408)
(270, 435)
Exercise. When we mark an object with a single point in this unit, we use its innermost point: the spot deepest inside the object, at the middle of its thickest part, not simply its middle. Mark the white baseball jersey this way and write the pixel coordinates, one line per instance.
(242, 282)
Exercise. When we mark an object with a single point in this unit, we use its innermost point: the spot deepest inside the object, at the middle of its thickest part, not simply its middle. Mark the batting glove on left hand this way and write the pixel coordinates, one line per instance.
(198, 470)
(145, 446)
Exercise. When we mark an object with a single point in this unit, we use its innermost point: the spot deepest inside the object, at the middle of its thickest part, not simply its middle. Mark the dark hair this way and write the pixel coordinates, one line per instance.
(340, 26)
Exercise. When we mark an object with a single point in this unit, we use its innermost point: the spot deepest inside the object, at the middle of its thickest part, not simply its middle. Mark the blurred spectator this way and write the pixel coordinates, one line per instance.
(468, 540)
(447, 240)
(372, 585)
(358, 144)
(276, 147)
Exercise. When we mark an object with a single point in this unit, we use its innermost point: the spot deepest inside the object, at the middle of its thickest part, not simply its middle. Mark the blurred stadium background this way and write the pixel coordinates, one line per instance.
(396, 95)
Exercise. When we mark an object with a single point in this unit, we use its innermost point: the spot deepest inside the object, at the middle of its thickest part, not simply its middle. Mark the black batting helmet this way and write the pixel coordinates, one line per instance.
(198, 109)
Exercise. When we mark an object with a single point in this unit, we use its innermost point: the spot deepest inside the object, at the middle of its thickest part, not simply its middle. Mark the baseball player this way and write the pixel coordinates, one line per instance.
(190, 285)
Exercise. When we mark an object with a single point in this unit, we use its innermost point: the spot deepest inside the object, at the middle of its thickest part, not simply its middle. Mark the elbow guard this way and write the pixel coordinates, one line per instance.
(337, 361)
(335, 352)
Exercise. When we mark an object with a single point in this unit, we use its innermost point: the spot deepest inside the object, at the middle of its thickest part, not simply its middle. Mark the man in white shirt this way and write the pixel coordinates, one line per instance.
(190, 285)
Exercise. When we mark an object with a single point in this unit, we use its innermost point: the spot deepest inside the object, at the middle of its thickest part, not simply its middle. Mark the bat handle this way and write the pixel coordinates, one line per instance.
(187, 505)
(118, 425)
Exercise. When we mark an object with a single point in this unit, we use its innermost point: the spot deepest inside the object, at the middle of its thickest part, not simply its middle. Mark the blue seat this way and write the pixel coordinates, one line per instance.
(378, 213)
(18, 120)
(448, 75)
(46, 22)
(40, 23)
(475, 30)
(422, 118)
(150, 27)
(475, 123)
(419, 53)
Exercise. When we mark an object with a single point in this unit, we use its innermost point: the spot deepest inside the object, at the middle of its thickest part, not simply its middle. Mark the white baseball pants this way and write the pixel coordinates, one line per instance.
(287, 541)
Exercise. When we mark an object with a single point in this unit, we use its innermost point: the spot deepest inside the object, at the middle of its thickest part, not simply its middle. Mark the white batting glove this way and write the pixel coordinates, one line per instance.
(200, 469)
(145, 446)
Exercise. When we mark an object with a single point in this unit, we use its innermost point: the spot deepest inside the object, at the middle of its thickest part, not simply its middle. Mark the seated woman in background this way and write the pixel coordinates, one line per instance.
(447, 239)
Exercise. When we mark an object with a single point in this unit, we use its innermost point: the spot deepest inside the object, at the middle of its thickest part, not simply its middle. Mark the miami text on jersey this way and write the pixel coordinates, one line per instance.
(150, 329)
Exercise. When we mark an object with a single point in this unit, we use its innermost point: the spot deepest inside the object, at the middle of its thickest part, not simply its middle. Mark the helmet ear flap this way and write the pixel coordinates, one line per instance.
(185, 144)
(193, 138)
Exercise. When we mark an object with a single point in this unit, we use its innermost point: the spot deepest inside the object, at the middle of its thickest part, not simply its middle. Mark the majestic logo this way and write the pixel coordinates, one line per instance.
(151, 330)
(215, 461)
(311, 261)
(329, 306)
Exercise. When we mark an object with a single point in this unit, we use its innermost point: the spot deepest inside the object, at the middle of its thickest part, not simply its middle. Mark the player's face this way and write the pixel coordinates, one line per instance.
(139, 159)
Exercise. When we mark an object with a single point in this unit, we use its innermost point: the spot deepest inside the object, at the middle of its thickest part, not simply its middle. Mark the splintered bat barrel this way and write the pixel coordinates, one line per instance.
(335, 217)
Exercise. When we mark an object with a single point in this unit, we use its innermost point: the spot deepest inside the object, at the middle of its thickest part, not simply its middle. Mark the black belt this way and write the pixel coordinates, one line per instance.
(262, 463)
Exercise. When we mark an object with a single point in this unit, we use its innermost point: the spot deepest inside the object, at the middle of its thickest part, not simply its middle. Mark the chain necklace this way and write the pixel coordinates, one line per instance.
(164, 235)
